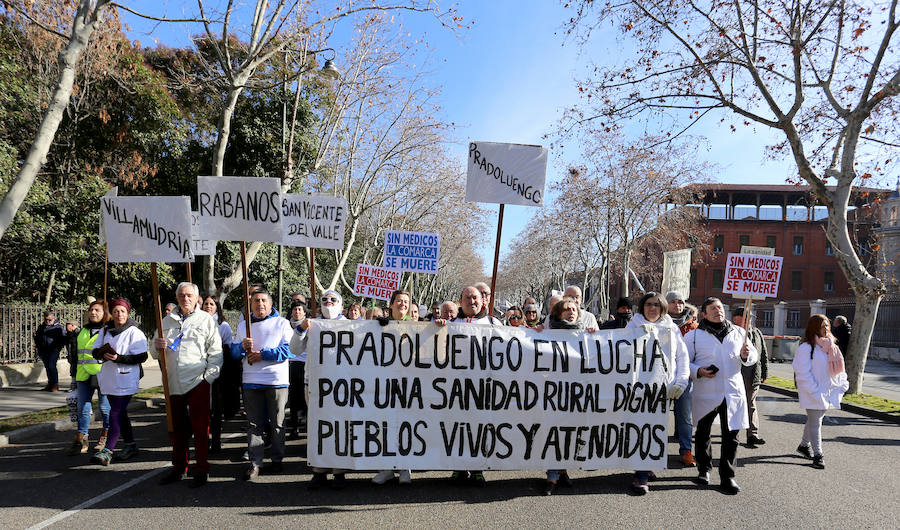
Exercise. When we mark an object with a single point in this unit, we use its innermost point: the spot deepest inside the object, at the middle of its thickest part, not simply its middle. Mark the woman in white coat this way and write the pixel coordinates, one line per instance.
(652, 314)
(717, 349)
(821, 383)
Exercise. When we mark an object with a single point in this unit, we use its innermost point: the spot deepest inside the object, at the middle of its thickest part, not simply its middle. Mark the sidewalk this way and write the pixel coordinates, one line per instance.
(882, 378)
(19, 399)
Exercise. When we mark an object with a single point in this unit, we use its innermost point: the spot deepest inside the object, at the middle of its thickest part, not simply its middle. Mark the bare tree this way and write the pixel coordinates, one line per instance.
(824, 74)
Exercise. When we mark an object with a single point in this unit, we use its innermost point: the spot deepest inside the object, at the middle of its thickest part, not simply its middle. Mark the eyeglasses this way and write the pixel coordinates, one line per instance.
(331, 299)
(651, 304)
(530, 312)
(515, 317)
(485, 294)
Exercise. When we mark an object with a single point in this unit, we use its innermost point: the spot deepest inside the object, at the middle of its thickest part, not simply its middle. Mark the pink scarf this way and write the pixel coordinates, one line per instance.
(835, 359)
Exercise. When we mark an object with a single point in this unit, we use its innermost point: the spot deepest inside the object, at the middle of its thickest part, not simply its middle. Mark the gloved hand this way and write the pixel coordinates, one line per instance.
(675, 391)
(383, 320)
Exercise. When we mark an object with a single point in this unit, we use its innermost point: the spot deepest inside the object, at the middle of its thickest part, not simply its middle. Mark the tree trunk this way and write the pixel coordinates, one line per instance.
(863, 325)
(82, 27)
(50, 287)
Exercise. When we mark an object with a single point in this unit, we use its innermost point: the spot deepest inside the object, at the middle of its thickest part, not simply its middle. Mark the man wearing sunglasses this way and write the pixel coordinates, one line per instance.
(49, 339)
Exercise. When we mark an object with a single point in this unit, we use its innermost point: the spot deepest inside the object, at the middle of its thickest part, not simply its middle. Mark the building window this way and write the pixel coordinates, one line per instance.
(796, 280)
(793, 318)
(829, 281)
(770, 241)
(798, 245)
(767, 318)
(829, 250)
(718, 278)
(693, 279)
(719, 244)
(744, 241)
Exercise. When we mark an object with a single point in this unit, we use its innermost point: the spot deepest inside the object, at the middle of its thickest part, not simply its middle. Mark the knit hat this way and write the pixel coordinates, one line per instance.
(623, 302)
(671, 296)
(739, 312)
(119, 301)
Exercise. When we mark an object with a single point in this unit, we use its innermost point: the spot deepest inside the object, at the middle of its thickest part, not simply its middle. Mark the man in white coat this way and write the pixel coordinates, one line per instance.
(717, 350)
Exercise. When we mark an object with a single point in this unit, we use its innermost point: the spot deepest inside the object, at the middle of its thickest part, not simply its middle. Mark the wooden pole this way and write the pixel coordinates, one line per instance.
(157, 311)
(188, 266)
(748, 303)
(496, 261)
(106, 270)
(312, 281)
(246, 288)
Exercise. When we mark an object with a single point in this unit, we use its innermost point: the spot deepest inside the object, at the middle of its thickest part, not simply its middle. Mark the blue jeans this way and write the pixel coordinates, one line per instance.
(49, 359)
(683, 423)
(553, 474)
(85, 394)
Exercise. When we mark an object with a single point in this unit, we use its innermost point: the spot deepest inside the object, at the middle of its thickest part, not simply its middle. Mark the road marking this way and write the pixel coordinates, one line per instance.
(90, 502)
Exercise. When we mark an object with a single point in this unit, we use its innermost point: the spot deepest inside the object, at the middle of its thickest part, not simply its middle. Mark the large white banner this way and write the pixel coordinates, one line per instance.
(411, 395)
(412, 251)
(506, 173)
(315, 221)
(677, 272)
(199, 244)
(240, 208)
(147, 229)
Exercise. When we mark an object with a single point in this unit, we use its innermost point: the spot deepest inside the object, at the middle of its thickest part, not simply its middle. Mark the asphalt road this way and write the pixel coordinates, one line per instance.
(41, 485)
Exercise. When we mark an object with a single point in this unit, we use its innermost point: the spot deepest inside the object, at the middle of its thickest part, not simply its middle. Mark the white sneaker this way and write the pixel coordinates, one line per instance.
(383, 476)
(405, 478)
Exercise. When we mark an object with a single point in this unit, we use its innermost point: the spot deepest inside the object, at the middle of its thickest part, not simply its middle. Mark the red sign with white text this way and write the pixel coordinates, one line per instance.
(752, 275)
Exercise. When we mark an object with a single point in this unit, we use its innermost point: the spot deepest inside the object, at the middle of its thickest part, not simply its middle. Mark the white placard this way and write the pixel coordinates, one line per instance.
(240, 208)
(506, 173)
(147, 229)
(376, 282)
(677, 272)
(752, 275)
(412, 251)
(315, 221)
(411, 395)
(111, 193)
(200, 245)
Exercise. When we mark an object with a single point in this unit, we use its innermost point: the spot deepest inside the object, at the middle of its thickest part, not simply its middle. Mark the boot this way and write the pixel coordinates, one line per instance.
(80, 445)
(101, 443)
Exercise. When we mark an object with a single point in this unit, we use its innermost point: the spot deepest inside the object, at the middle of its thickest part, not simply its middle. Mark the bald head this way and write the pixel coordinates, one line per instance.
(470, 301)
(573, 291)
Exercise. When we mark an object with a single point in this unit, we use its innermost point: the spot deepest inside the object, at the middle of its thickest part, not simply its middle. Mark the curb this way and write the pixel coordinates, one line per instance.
(65, 424)
(849, 407)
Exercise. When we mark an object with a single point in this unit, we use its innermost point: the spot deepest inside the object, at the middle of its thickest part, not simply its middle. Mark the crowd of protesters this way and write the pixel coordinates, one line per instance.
(214, 373)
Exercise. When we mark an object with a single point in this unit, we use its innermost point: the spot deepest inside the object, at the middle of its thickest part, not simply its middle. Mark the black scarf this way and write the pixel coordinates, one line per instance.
(556, 323)
(113, 330)
(719, 331)
(93, 325)
(681, 318)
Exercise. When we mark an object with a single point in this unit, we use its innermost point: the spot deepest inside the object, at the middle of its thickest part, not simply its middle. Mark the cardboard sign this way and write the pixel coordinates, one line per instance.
(315, 221)
(412, 251)
(109, 194)
(376, 282)
(412, 395)
(240, 208)
(677, 272)
(506, 173)
(200, 245)
(752, 275)
(147, 229)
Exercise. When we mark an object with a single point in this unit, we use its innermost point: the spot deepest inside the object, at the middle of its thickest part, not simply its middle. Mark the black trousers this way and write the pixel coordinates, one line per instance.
(297, 393)
(704, 445)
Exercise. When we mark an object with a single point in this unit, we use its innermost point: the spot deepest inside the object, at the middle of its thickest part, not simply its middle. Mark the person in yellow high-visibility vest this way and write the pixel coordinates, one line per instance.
(86, 378)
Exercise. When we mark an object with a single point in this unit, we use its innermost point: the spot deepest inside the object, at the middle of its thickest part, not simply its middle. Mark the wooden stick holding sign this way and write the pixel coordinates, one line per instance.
(312, 281)
(157, 313)
(496, 261)
(188, 266)
(246, 288)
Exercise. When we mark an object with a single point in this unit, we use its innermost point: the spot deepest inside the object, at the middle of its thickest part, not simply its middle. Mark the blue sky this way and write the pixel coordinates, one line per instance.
(507, 79)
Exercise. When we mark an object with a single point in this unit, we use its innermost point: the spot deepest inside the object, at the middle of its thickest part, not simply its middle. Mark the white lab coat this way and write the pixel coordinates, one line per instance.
(668, 333)
(728, 384)
(816, 388)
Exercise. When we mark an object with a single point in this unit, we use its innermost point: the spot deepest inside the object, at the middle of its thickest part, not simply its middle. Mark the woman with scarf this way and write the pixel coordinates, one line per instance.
(821, 383)
(652, 314)
(297, 392)
(86, 382)
(123, 347)
(399, 310)
(717, 349)
(532, 316)
(563, 315)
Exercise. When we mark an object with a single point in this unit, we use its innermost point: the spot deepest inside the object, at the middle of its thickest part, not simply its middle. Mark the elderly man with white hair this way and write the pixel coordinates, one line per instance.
(585, 317)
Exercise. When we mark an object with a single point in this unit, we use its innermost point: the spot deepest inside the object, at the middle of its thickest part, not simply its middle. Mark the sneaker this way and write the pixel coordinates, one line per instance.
(101, 443)
(687, 460)
(129, 451)
(640, 486)
(819, 462)
(477, 478)
(383, 476)
(755, 440)
(405, 477)
(549, 487)
(339, 482)
(103, 457)
(252, 473)
(703, 478)
(80, 445)
(200, 479)
(730, 486)
(804, 450)
(172, 476)
(318, 480)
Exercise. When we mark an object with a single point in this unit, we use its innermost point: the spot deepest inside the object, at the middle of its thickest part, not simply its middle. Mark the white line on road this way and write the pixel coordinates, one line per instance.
(100, 498)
